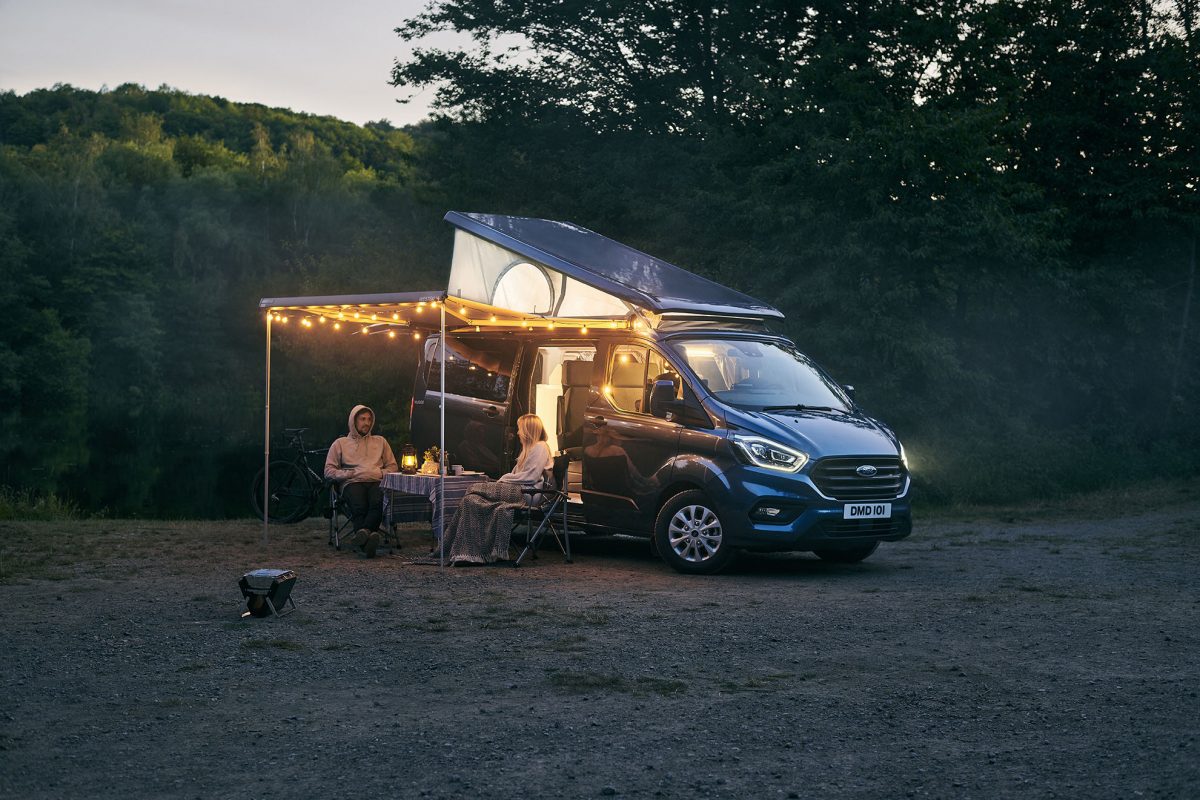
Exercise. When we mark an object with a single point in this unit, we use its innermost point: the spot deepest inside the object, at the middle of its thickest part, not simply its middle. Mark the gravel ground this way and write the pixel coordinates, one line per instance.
(1046, 655)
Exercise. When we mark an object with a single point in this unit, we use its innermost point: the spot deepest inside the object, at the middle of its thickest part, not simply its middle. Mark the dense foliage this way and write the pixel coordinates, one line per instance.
(984, 215)
(137, 232)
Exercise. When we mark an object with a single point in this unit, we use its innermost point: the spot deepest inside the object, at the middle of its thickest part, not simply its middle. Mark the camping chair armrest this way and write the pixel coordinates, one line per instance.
(546, 490)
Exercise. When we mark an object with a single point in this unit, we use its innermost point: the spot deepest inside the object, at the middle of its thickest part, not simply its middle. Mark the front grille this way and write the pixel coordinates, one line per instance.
(837, 478)
(861, 527)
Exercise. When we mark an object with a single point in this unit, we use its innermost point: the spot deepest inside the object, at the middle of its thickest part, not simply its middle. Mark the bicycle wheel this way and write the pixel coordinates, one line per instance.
(290, 498)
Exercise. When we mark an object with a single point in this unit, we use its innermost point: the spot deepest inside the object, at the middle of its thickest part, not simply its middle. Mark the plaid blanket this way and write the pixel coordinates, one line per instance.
(480, 531)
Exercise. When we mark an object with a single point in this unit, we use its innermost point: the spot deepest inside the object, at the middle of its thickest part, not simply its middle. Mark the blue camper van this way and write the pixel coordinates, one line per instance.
(687, 419)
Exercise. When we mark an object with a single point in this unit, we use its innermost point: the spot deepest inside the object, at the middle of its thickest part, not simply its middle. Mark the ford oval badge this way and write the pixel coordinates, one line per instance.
(866, 471)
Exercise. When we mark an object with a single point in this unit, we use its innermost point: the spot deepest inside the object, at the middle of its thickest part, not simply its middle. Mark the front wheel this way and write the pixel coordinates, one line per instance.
(290, 498)
(689, 536)
(851, 554)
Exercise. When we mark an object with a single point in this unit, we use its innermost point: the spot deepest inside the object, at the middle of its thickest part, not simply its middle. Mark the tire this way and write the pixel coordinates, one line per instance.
(849, 554)
(689, 535)
(291, 496)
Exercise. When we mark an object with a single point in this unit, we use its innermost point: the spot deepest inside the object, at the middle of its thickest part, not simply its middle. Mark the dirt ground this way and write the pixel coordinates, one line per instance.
(1048, 654)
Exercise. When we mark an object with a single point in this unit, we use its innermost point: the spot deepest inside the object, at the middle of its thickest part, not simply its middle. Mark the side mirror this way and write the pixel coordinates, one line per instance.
(662, 399)
(849, 390)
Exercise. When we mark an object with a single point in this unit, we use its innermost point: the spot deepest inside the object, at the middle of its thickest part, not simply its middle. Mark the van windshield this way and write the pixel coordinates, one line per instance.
(756, 375)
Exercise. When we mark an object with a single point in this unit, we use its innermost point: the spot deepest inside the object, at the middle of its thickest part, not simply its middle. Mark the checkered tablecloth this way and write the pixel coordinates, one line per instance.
(414, 498)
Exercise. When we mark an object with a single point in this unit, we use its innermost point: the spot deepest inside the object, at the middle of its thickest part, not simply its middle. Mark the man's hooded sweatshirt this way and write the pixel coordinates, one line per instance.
(359, 459)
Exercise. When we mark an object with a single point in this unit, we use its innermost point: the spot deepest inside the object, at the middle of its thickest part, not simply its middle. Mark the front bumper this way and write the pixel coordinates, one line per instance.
(812, 520)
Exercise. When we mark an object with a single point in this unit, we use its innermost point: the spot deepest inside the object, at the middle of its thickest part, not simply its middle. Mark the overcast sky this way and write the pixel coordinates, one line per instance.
(320, 57)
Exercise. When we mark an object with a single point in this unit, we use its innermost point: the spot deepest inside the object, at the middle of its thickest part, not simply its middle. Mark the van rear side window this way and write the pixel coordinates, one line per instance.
(475, 369)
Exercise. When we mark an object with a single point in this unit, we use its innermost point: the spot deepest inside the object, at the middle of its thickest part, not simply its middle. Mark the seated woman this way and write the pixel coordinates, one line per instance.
(481, 529)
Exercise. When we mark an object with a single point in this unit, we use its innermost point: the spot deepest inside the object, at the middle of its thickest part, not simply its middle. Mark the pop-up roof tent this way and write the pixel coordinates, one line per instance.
(519, 271)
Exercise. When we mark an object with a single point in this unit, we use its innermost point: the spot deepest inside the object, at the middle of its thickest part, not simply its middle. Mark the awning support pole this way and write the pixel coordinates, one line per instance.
(442, 446)
(267, 438)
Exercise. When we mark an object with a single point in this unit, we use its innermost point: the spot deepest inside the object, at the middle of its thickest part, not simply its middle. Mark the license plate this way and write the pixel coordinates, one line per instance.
(867, 511)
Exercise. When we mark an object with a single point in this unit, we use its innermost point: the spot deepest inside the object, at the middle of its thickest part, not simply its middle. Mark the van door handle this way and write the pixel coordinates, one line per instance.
(599, 422)
(491, 411)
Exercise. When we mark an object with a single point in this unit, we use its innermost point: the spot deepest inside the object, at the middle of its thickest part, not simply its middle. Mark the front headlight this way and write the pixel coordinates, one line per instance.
(772, 455)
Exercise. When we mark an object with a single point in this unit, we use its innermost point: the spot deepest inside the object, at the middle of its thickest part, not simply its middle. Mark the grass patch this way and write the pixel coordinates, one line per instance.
(584, 682)
(29, 505)
(758, 683)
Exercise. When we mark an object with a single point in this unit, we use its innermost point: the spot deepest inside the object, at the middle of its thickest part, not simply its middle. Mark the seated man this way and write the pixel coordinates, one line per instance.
(357, 462)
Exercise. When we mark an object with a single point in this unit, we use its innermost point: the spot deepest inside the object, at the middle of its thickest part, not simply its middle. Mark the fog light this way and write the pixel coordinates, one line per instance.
(776, 513)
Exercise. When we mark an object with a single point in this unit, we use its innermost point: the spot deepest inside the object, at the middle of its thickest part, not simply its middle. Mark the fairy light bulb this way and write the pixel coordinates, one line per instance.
(337, 326)
(391, 334)
(395, 316)
(583, 329)
(417, 336)
(321, 320)
(366, 329)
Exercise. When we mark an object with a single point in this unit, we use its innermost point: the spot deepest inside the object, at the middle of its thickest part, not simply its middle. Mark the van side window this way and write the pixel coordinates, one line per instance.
(632, 372)
(473, 369)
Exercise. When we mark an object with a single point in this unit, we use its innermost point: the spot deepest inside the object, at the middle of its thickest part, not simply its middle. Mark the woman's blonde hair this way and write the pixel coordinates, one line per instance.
(529, 430)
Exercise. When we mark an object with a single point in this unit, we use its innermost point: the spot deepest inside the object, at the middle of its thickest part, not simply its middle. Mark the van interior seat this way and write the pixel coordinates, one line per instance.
(710, 374)
(627, 387)
(572, 405)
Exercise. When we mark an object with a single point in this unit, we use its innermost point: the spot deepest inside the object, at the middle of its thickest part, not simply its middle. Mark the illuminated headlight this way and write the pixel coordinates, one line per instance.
(772, 455)
(903, 457)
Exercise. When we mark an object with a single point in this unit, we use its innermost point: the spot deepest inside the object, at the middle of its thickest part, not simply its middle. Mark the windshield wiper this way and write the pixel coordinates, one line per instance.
(802, 407)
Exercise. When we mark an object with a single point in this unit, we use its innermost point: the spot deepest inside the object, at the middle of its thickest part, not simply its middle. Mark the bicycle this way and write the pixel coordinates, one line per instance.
(295, 487)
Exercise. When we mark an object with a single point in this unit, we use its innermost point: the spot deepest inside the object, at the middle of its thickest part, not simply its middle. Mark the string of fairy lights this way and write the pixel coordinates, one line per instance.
(391, 320)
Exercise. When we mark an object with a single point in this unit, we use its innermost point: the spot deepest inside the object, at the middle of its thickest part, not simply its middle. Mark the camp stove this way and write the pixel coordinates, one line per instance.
(267, 591)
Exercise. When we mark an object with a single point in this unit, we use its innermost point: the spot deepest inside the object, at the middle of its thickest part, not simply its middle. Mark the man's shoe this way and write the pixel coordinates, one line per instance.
(373, 540)
(360, 537)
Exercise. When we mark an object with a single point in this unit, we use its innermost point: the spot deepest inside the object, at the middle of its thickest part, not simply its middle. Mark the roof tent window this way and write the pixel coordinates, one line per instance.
(487, 273)
(525, 287)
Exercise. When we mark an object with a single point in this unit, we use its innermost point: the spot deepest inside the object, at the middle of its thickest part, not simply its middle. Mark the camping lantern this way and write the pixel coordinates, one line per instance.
(408, 460)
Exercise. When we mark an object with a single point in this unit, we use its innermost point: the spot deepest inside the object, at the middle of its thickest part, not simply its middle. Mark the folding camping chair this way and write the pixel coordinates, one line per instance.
(548, 514)
(338, 512)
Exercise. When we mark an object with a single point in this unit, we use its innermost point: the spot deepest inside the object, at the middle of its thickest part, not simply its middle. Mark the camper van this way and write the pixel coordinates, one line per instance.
(687, 420)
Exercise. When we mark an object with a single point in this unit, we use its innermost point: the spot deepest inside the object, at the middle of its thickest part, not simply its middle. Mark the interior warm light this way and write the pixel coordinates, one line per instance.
(356, 314)
(341, 315)
(391, 334)
(624, 358)
(463, 309)
(285, 319)
(366, 329)
(374, 317)
(395, 316)
(583, 329)
(477, 329)
(321, 320)
(416, 336)
(337, 326)
(607, 389)
(550, 326)
(493, 317)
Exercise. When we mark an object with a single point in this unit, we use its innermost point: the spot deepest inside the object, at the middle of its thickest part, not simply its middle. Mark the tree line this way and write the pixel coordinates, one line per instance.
(981, 214)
